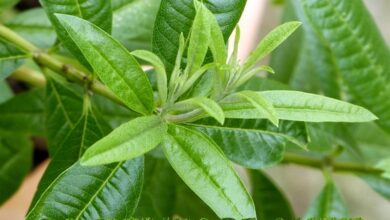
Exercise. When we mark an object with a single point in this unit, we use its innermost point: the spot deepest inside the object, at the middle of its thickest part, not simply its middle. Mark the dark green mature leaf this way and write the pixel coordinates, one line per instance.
(101, 192)
(63, 110)
(360, 53)
(126, 142)
(377, 183)
(176, 16)
(34, 26)
(159, 191)
(327, 204)
(270, 202)
(204, 168)
(24, 113)
(86, 132)
(254, 143)
(5, 91)
(96, 11)
(15, 162)
(11, 57)
(132, 22)
(114, 65)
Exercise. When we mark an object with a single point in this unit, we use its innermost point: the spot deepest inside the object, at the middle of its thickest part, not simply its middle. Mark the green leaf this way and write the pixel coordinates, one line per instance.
(377, 183)
(384, 165)
(63, 110)
(128, 141)
(199, 40)
(300, 106)
(208, 105)
(269, 200)
(159, 67)
(168, 27)
(233, 106)
(203, 167)
(159, 190)
(15, 162)
(96, 11)
(6, 4)
(132, 22)
(217, 43)
(359, 51)
(5, 92)
(34, 26)
(254, 143)
(11, 57)
(270, 42)
(24, 113)
(327, 204)
(101, 192)
(114, 65)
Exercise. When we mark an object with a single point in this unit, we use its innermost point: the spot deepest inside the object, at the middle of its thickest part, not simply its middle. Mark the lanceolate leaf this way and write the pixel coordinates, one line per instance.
(254, 143)
(101, 192)
(270, 202)
(300, 106)
(11, 57)
(132, 22)
(167, 28)
(34, 26)
(327, 204)
(270, 42)
(114, 65)
(128, 141)
(24, 113)
(96, 11)
(359, 51)
(63, 110)
(15, 162)
(203, 167)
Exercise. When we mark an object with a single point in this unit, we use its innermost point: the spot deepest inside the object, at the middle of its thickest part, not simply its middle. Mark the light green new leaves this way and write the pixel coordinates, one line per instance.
(300, 106)
(162, 84)
(385, 166)
(128, 141)
(114, 65)
(327, 204)
(270, 42)
(269, 200)
(208, 105)
(202, 166)
(217, 42)
(234, 106)
(101, 192)
(11, 57)
(15, 162)
(199, 40)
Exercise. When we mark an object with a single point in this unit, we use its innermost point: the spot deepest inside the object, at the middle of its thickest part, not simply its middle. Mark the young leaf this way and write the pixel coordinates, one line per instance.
(232, 106)
(327, 204)
(300, 106)
(128, 141)
(159, 67)
(24, 113)
(167, 29)
(208, 105)
(63, 110)
(199, 40)
(15, 162)
(114, 65)
(270, 42)
(11, 57)
(384, 165)
(101, 192)
(203, 167)
(248, 75)
(269, 200)
(254, 143)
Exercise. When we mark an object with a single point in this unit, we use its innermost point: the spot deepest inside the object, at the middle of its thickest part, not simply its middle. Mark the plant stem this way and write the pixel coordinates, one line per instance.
(336, 166)
(42, 58)
(29, 76)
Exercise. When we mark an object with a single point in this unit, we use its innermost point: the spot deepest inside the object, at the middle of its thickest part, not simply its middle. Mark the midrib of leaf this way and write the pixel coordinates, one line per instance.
(100, 189)
(13, 57)
(61, 105)
(30, 27)
(221, 191)
(83, 134)
(328, 199)
(80, 13)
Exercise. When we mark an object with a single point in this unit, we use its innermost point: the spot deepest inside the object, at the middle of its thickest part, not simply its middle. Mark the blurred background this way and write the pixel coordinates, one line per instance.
(299, 183)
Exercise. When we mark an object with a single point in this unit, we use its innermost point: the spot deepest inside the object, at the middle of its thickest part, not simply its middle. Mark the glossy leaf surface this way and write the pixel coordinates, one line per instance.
(128, 141)
(11, 57)
(203, 167)
(114, 65)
